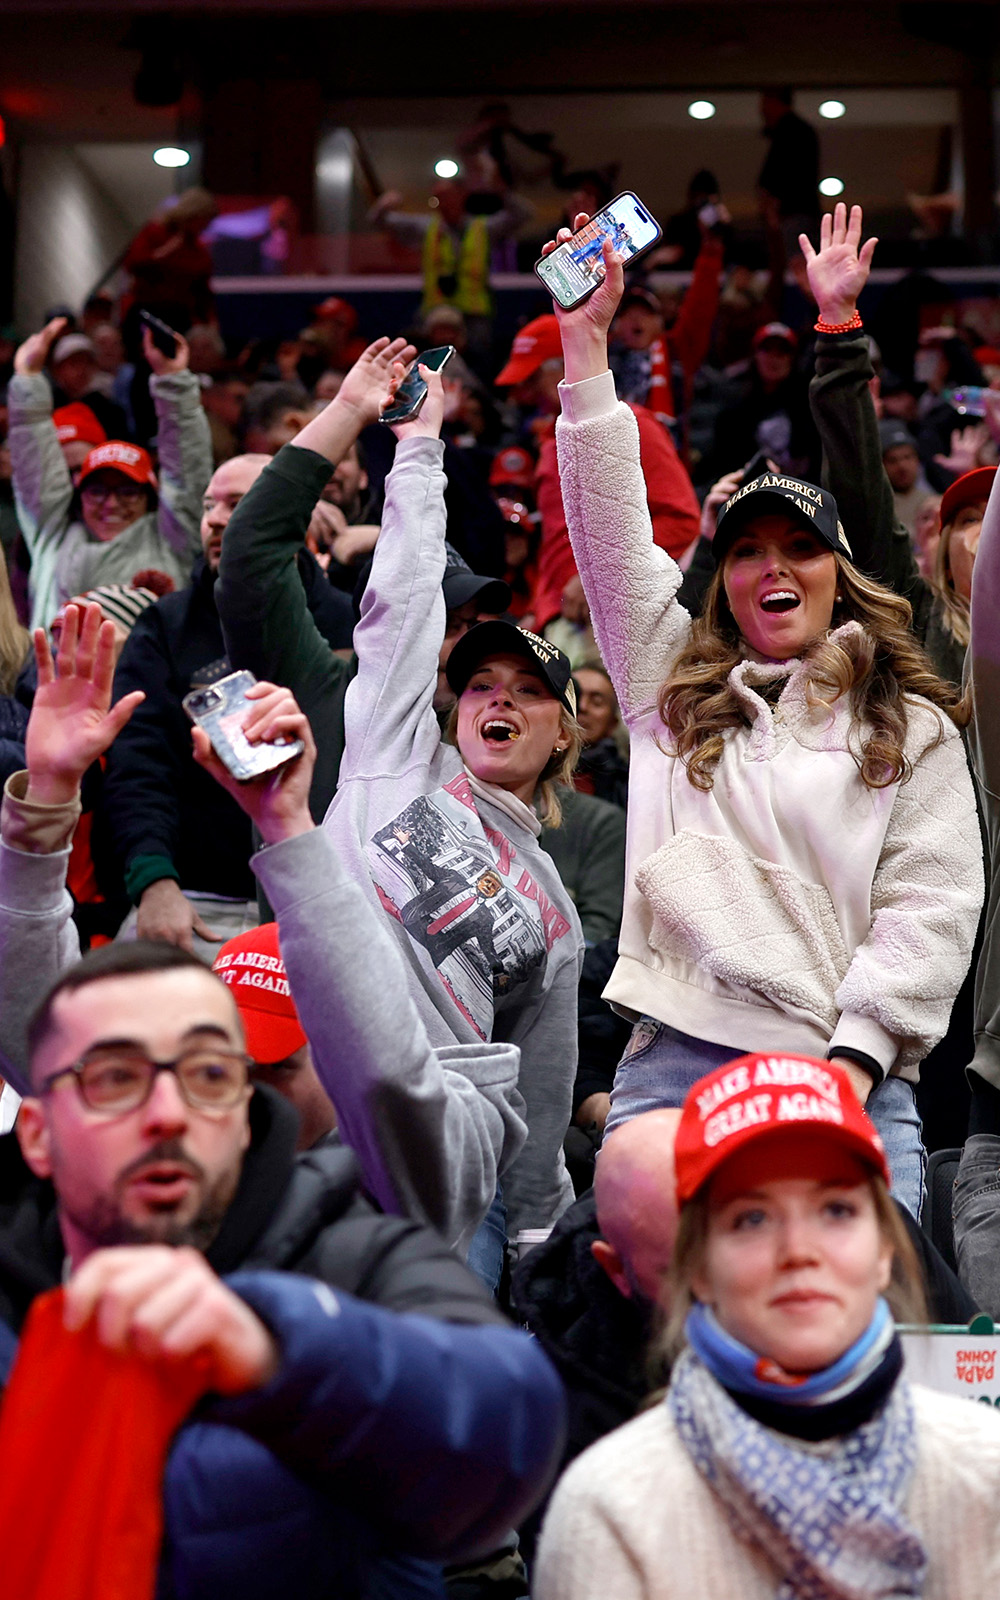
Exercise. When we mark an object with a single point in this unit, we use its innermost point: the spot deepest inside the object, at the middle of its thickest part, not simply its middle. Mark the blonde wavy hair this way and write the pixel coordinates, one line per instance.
(954, 606)
(878, 666)
(15, 640)
(557, 772)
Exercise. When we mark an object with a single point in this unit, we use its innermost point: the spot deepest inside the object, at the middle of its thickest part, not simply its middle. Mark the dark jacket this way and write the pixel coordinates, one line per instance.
(852, 470)
(264, 613)
(167, 816)
(589, 852)
(383, 1437)
(603, 771)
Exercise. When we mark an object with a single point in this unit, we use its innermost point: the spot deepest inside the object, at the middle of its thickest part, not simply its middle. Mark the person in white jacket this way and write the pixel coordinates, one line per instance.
(804, 867)
(790, 1456)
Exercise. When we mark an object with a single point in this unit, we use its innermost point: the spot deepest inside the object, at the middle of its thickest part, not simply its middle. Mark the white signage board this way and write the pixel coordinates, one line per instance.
(955, 1361)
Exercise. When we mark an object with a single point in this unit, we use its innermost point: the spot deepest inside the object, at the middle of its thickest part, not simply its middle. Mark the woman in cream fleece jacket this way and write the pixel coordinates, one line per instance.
(775, 899)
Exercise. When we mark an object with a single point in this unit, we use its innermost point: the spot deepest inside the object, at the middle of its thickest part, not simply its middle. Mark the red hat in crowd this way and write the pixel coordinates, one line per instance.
(536, 343)
(966, 490)
(119, 456)
(513, 465)
(333, 309)
(251, 965)
(779, 331)
(77, 421)
(765, 1094)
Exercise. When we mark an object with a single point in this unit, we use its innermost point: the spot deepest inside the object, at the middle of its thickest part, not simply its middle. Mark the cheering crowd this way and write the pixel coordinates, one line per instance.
(489, 1133)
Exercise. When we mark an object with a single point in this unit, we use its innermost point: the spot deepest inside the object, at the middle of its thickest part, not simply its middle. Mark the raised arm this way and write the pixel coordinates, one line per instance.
(432, 1130)
(844, 411)
(389, 708)
(185, 448)
(43, 489)
(72, 724)
(630, 583)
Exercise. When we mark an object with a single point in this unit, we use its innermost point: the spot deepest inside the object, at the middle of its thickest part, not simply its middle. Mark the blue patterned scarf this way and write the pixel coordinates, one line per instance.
(829, 1517)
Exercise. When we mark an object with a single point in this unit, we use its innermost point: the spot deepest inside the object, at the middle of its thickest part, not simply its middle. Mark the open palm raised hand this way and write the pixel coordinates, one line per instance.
(72, 719)
(368, 384)
(838, 270)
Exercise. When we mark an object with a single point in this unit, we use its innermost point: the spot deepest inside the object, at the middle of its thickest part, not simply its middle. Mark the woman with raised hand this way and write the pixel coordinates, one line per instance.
(789, 1457)
(804, 869)
(443, 831)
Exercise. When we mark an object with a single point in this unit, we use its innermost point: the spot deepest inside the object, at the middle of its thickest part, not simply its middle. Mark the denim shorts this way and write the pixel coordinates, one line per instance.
(660, 1065)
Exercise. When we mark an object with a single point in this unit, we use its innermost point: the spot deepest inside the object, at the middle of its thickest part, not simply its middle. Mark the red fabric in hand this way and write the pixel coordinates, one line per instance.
(84, 1437)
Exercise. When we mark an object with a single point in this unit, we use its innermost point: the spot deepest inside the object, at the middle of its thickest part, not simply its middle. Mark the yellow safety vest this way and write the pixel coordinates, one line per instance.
(470, 273)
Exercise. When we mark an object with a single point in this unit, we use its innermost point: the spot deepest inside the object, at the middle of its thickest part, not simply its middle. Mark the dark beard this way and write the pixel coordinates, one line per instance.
(103, 1224)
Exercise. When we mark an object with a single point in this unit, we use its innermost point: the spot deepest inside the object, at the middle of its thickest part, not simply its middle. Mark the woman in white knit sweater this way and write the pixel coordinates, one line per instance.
(789, 1459)
(804, 866)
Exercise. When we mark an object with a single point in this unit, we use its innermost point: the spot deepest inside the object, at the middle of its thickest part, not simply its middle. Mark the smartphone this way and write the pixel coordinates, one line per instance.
(968, 400)
(164, 337)
(575, 269)
(221, 709)
(412, 392)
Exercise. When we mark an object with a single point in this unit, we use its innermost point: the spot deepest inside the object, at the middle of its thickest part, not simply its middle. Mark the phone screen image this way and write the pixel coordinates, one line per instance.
(575, 268)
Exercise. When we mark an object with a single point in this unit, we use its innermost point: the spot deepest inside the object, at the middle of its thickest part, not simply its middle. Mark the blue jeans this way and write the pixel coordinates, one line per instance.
(660, 1065)
(489, 1242)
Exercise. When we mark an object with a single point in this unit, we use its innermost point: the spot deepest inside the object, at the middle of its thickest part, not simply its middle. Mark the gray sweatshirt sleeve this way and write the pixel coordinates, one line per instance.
(983, 668)
(389, 720)
(432, 1129)
(38, 938)
(538, 1188)
(185, 450)
(43, 491)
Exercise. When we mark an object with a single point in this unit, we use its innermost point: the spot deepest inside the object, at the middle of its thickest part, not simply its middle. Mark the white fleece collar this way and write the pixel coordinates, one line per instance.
(750, 673)
(505, 801)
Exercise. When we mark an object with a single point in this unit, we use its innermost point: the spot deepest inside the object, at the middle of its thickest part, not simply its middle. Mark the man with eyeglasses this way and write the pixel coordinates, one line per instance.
(354, 1447)
(119, 519)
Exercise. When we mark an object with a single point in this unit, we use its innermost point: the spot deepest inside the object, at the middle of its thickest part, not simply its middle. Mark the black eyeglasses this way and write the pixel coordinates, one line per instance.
(115, 1081)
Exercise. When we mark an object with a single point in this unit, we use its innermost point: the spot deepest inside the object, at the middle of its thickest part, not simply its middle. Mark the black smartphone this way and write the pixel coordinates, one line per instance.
(573, 270)
(412, 392)
(163, 336)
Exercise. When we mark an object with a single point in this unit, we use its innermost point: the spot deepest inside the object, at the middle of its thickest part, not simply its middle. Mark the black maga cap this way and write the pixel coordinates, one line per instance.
(806, 503)
(506, 639)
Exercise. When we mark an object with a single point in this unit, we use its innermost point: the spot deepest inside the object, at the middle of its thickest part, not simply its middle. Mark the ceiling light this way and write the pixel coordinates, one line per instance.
(446, 168)
(832, 109)
(701, 110)
(831, 186)
(170, 156)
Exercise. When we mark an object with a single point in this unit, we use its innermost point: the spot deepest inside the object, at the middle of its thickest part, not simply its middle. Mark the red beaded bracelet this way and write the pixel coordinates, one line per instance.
(839, 327)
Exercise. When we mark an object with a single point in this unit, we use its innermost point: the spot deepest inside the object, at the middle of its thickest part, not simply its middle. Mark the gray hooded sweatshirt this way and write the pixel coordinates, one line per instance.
(491, 941)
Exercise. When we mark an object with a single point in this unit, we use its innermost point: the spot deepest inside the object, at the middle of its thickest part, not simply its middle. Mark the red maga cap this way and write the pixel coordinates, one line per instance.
(536, 343)
(251, 965)
(77, 421)
(760, 1094)
(966, 490)
(120, 456)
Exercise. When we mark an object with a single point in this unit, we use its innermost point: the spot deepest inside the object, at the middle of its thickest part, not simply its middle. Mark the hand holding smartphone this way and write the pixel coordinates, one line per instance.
(221, 709)
(412, 392)
(575, 268)
(162, 335)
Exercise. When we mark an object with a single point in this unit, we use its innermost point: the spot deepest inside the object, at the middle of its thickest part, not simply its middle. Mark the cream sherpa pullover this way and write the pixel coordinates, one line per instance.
(790, 907)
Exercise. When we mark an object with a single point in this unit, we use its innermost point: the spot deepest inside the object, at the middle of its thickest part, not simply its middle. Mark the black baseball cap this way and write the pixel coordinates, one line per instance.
(506, 639)
(772, 492)
(460, 585)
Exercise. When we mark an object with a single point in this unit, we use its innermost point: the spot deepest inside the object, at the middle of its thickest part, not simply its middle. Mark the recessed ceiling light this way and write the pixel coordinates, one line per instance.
(832, 109)
(831, 186)
(701, 110)
(446, 168)
(170, 156)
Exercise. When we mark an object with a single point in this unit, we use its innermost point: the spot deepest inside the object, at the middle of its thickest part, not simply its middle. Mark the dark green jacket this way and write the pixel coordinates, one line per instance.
(266, 621)
(852, 470)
